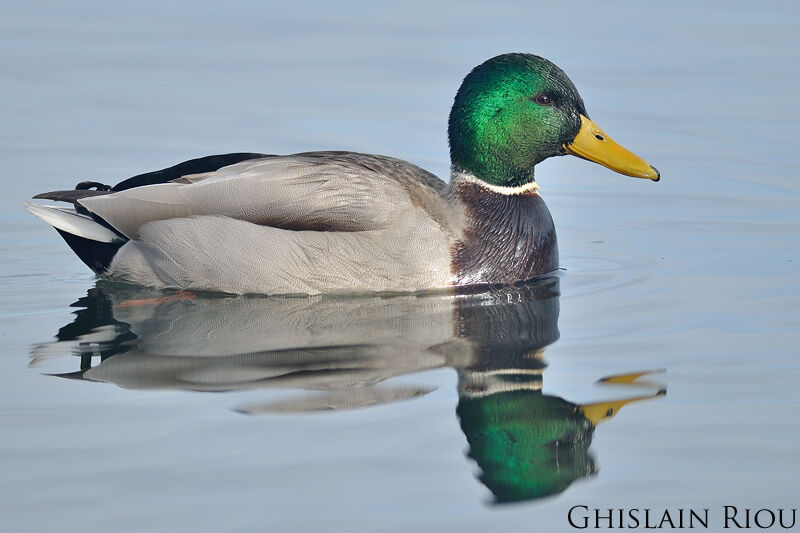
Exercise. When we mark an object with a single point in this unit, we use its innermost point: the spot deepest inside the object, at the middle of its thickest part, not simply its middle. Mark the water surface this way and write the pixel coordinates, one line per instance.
(130, 409)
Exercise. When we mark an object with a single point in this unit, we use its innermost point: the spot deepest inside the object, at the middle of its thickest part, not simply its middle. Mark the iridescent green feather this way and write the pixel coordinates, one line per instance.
(497, 129)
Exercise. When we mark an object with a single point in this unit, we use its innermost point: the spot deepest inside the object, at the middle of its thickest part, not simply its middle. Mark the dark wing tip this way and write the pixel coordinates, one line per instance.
(71, 196)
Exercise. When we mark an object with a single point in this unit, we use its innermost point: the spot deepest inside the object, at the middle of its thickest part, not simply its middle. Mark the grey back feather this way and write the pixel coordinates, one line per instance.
(304, 223)
(322, 191)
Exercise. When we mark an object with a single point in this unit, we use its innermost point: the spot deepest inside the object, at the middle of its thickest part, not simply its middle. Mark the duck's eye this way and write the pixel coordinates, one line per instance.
(543, 99)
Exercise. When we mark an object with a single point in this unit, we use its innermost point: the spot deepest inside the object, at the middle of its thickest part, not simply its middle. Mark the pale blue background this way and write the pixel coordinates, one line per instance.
(697, 274)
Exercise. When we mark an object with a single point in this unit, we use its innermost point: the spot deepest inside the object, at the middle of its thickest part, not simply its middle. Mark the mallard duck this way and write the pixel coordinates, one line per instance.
(321, 222)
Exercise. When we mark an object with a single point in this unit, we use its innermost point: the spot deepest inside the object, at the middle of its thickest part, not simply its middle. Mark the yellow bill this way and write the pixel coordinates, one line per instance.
(593, 144)
(597, 412)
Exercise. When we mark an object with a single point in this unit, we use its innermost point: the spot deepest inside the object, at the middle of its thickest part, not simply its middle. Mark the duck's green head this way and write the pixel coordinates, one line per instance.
(516, 110)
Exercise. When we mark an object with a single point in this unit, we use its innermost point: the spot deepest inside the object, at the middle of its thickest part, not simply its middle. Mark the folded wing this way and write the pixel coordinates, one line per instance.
(323, 191)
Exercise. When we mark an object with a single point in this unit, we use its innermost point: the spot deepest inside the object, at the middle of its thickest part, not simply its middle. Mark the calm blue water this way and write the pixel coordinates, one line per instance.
(406, 412)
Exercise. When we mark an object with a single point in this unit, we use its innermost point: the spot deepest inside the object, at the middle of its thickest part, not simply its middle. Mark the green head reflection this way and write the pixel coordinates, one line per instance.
(528, 445)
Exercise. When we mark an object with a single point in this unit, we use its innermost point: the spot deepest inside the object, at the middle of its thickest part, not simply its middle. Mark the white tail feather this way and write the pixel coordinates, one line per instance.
(73, 223)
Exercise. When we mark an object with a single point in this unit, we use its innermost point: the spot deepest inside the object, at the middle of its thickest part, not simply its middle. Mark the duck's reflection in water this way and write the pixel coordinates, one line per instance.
(527, 444)
(341, 350)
